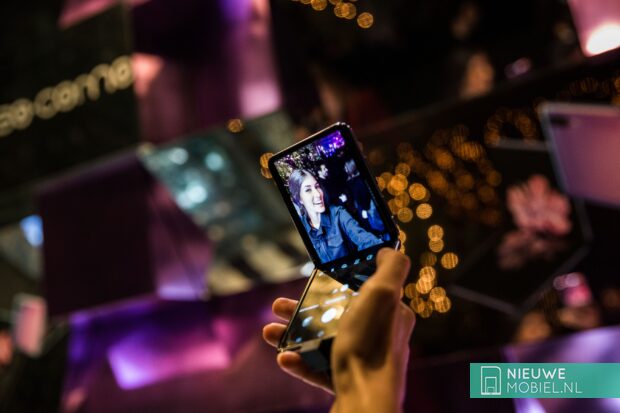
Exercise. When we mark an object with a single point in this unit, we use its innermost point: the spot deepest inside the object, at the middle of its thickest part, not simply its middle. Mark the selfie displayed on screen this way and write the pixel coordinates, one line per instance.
(335, 205)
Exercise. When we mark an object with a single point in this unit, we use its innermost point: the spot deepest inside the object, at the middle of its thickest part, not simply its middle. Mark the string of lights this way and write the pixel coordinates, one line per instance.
(343, 10)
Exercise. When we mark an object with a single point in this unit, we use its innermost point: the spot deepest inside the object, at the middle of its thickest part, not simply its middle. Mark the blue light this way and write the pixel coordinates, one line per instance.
(178, 156)
(196, 193)
(32, 227)
(214, 161)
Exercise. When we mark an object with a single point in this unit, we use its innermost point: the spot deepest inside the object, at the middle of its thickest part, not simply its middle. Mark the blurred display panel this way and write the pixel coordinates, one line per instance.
(214, 177)
(20, 244)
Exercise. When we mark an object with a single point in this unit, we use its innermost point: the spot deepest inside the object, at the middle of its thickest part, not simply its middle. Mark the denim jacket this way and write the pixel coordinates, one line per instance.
(338, 233)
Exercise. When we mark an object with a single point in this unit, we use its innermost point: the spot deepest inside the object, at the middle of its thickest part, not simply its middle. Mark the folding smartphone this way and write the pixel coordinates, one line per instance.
(343, 221)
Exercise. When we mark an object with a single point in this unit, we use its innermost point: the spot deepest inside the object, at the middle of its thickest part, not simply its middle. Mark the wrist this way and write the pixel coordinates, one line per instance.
(362, 393)
(364, 403)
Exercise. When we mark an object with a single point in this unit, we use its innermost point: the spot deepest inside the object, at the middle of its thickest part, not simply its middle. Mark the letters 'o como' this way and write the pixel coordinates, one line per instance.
(66, 95)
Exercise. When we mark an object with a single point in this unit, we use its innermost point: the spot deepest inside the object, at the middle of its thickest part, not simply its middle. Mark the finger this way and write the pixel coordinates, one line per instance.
(404, 324)
(392, 269)
(366, 329)
(293, 364)
(284, 308)
(272, 333)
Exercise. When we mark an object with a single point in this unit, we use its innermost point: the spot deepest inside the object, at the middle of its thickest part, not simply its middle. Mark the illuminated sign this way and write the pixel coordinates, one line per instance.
(66, 95)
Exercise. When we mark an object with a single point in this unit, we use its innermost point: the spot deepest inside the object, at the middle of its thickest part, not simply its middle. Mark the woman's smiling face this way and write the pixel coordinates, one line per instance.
(311, 195)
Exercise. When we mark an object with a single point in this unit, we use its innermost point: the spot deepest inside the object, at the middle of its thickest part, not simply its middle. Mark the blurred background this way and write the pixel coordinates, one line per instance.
(142, 242)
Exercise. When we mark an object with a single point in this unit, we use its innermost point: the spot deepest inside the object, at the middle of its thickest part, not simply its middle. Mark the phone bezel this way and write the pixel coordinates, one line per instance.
(351, 144)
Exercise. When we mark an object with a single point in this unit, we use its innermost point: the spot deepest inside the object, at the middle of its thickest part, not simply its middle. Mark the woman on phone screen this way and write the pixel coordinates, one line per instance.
(333, 231)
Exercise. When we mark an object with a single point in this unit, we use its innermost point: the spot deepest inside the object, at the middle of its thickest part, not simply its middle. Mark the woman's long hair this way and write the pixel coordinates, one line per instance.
(294, 186)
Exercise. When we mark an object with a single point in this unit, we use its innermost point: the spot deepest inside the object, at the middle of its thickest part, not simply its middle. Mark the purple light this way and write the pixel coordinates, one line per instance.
(236, 10)
(74, 11)
(330, 144)
(528, 406)
(154, 354)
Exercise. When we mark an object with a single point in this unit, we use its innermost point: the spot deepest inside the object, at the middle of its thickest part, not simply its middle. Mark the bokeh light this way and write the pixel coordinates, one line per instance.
(417, 304)
(365, 20)
(405, 215)
(264, 159)
(435, 245)
(494, 178)
(444, 160)
(449, 260)
(424, 286)
(428, 259)
(393, 207)
(402, 200)
(403, 169)
(350, 11)
(427, 310)
(486, 193)
(381, 183)
(437, 294)
(398, 183)
(417, 191)
(234, 125)
(427, 273)
(410, 290)
(443, 305)
(424, 211)
(387, 177)
(402, 236)
(435, 232)
(266, 173)
(465, 181)
(319, 4)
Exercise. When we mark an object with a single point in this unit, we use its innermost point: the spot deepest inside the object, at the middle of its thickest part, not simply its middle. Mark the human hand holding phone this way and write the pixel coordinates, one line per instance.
(370, 353)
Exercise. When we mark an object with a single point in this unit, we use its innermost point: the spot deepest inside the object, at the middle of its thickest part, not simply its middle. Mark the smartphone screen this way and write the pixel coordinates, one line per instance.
(319, 311)
(333, 199)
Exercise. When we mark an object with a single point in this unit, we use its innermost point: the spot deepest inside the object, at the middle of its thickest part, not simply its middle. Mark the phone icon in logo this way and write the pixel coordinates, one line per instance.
(490, 381)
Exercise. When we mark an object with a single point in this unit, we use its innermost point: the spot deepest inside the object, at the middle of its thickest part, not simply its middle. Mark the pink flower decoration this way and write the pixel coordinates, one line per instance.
(541, 215)
(536, 207)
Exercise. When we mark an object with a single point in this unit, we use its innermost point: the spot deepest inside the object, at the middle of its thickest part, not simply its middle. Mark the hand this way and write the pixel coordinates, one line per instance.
(289, 361)
(370, 352)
